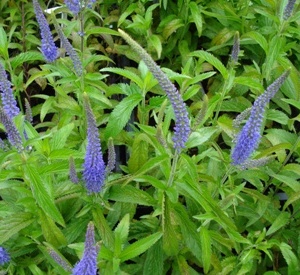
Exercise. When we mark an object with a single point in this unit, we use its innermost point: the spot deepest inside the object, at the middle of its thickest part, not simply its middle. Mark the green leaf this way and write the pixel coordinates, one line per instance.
(121, 234)
(51, 232)
(59, 138)
(196, 16)
(47, 106)
(280, 221)
(292, 198)
(154, 260)
(189, 231)
(288, 254)
(139, 153)
(120, 115)
(101, 30)
(172, 27)
(155, 42)
(25, 57)
(128, 74)
(41, 195)
(149, 165)
(129, 10)
(258, 38)
(200, 136)
(249, 82)
(295, 103)
(139, 247)
(102, 225)
(212, 60)
(276, 45)
(130, 194)
(206, 248)
(277, 116)
(170, 240)
(3, 44)
(11, 225)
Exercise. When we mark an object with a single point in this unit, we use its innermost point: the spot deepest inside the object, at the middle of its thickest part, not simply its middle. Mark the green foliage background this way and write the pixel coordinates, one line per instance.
(202, 216)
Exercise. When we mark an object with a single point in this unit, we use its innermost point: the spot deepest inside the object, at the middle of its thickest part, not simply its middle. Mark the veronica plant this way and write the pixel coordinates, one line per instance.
(249, 137)
(88, 263)
(12, 132)
(182, 128)
(49, 49)
(94, 167)
(71, 51)
(4, 256)
(8, 101)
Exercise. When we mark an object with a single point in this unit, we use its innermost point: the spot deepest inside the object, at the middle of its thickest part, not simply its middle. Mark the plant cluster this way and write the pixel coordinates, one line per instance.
(149, 137)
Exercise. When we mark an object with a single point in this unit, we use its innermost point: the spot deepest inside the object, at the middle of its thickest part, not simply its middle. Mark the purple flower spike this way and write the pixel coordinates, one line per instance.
(111, 163)
(182, 127)
(8, 101)
(4, 256)
(71, 52)
(288, 9)
(62, 262)
(49, 49)
(93, 167)
(88, 264)
(249, 137)
(13, 134)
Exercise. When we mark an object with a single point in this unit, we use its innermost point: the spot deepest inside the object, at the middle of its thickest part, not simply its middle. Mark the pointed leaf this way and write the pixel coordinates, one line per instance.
(51, 232)
(139, 247)
(13, 224)
(280, 221)
(213, 61)
(121, 114)
(41, 195)
(206, 248)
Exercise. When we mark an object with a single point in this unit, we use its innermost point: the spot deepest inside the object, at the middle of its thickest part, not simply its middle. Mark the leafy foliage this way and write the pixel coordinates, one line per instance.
(160, 210)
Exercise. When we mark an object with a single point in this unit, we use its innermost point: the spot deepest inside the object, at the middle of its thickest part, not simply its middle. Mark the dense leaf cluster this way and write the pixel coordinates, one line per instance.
(113, 163)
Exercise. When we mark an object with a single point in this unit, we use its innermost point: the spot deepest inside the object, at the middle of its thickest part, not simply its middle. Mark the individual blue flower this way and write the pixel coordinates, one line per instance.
(93, 167)
(88, 264)
(7, 97)
(71, 52)
(4, 256)
(73, 5)
(12, 132)
(49, 49)
(249, 137)
(182, 126)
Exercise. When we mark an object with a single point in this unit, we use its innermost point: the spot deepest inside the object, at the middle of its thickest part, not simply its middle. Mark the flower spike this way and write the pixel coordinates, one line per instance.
(4, 256)
(8, 101)
(249, 137)
(93, 167)
(88, 264)
(182, 127)
(12, 132)
(49, 49)
(71, 52)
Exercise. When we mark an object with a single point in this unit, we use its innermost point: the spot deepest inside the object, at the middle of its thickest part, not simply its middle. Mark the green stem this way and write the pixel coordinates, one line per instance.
(173, 169)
